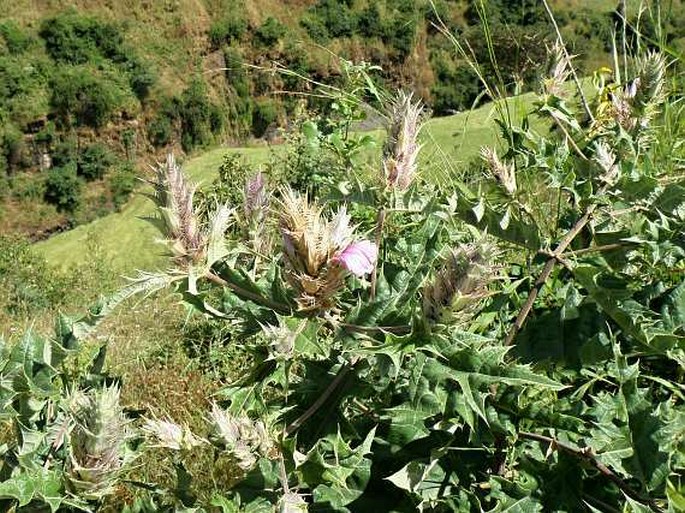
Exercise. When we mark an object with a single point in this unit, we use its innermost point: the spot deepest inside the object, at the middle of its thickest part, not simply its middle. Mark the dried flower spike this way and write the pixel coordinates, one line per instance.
(97, 442)
(170, 435)
(606, 159)
(244, 439)
(292, 502)
(175, 194)
(402, 148)
(255, 208)
(559, 69)
(505, 173)
(459, 284)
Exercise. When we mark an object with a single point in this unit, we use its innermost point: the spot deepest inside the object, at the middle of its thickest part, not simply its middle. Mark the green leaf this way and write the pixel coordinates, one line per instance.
(43, 485)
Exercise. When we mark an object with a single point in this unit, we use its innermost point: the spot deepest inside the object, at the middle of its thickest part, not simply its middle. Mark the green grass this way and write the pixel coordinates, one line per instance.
(125, 238)
(129, 242)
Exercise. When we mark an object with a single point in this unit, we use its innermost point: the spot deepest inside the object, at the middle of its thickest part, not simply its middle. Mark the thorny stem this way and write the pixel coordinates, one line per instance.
(587, 455)
(556, 255)
(380, 222)
(397, 330)
(332, 386)
(257, 298)
(283, 473)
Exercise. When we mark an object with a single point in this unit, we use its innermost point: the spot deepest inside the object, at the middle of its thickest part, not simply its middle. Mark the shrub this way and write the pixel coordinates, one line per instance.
(79, 96)
(330, 19)
(26, 186)
(11, 146)
(65, 153)
(73, 38)
(26, 281)
(160, 130)
(269, 32)
(399, 32)
(122, 183)
(369, 21)
(141, 76)
(15, 39)
(228, 29)
(264, 115)
(456, 87)
(63, 188)
(196, 115)
(94, 161)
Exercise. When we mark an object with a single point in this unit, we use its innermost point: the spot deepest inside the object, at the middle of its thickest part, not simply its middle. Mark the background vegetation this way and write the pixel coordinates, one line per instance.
(74, 77)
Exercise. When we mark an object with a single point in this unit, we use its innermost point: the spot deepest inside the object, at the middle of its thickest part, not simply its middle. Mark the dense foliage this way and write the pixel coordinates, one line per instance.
(514, 342)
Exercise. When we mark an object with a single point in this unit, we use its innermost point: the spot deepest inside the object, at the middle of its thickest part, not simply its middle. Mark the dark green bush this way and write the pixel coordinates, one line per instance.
(11, 146)
(456, 86)
(265, 113)
(122, 183)
(269, 32)
(399, 32)
(330, 19)
(507, 12)
(160, 130)
(15, 39)
(141, 76)
(94, 161)
(230, 28)
(65, 153)
(369, 22)
(198, 116)
(73, 38)
(63, 188)
(83, 98)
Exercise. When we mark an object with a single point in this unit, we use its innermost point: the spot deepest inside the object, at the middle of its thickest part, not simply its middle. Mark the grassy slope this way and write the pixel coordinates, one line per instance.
(126, 239)
(129, 241)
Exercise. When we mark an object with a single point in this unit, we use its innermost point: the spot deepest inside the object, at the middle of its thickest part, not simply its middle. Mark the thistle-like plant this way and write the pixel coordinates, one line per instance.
(97, 442)
(319, 252)
(459, 284)
(244, 439)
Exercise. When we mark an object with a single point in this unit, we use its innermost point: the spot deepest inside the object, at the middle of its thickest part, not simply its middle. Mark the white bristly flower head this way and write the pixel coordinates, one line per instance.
(504, 173)
(402, 148)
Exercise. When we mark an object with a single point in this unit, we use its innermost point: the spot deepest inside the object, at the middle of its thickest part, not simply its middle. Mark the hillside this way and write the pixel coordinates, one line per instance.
(91, 91)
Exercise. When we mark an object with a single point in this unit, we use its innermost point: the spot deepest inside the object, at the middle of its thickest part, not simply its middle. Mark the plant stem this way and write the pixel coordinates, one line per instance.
(549, 266)
(587, 455)
(252, 296)
(332, 386)
(397, 330)
(380, 222)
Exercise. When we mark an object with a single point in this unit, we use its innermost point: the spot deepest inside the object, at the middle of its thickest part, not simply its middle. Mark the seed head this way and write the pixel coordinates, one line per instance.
(97, 442)
(292, 502)
(170, 435)
(459, 284)
(504, 173)
(606, 159)
(558, 71)
(318, 251)
(402, 147)
(255, 208)
(245, 439)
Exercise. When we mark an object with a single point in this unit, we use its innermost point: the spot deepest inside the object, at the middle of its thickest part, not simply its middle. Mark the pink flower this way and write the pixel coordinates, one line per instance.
(359, 257)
